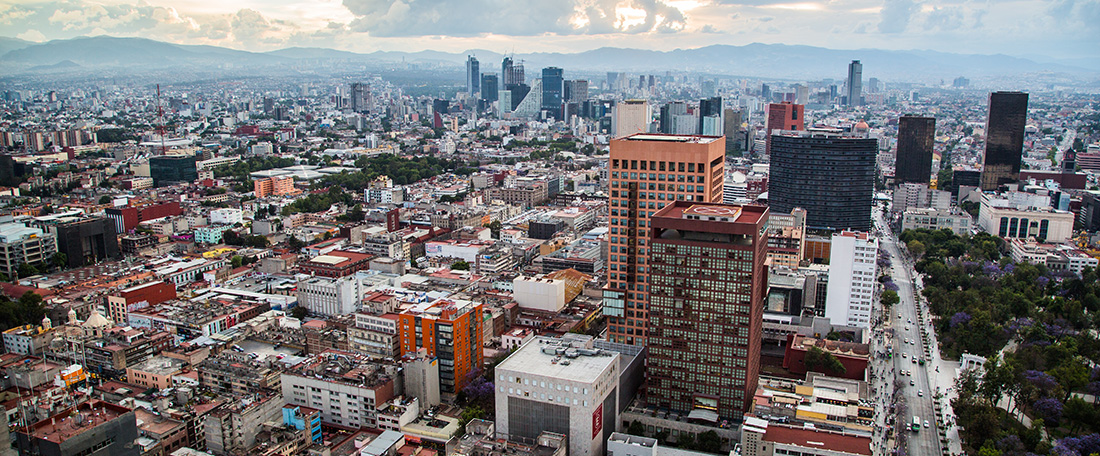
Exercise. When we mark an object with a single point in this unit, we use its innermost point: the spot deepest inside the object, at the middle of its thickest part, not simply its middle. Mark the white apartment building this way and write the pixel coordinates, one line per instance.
(330, 296)
(348, 388)
(853, 273)
(912, 195)
(936, 219)
(226, 216)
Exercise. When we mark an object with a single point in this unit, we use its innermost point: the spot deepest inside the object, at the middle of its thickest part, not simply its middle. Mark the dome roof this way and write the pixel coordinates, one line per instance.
(97, 321)
(862, 125)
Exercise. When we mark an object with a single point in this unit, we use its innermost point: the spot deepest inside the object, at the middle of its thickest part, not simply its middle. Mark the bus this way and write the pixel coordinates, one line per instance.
(916, 424)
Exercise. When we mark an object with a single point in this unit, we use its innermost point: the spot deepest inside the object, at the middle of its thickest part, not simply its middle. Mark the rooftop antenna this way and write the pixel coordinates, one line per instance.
(160, 124)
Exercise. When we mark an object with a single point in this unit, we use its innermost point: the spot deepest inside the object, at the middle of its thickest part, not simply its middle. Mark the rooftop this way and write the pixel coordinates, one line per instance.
(811, 438)
(75, 421)
(672, 138)
(560, 359)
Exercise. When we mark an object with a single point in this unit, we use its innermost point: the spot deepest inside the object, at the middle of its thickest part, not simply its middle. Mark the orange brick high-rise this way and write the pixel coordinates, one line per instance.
(649, 171)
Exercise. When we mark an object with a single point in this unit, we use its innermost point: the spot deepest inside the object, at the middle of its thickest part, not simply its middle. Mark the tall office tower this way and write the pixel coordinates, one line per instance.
(708, 283)
(781, 117)
(553, 84)
(801, 94)
(766, 93)
(1004, 138)
(269, 106)
(612, 80)
(489, 89)
(473, 75)
(630, 117)
(576, 91)
(826, 171)
(647, 172)
(731, 129)
(852, 273)
(506, 72)
(667, 112)
(359, 95)
(708, 107)
(854, 86)
(873, 85)
(913, 162)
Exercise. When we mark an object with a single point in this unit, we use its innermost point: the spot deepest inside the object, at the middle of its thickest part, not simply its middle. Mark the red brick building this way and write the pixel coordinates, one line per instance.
(128, 218)
(338, 263)
(853, 356)
(707, 284)
(151, 294)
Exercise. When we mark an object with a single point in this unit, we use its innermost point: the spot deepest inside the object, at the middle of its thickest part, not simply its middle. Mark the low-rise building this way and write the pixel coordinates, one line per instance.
(348, 388)
(21, 244)
(1023, 215)
(761, 438)
(953, 219)
(1056, 257)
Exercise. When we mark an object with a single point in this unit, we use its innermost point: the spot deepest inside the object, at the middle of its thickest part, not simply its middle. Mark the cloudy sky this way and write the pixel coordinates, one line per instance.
(1055, 28)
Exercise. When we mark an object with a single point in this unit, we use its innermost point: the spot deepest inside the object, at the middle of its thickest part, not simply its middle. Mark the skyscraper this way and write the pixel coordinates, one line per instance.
(783, 116)
(359, 94)
(709, 107)
(707, 285)
(630, 117)
(1004, 138)
(826, 171)
(648, 172)
(913, 162)
(576, 91)
(553, 85)
(473, 75)
(511, 73)
(489, 90)
(854, 93)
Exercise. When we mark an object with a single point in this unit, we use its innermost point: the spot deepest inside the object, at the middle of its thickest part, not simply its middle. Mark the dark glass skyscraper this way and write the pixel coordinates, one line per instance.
(489, 90)
(708, 107)
(829, 173)
(553, 86)
(473, 75)
(913, 162)
(707, 285)
(1004, 138)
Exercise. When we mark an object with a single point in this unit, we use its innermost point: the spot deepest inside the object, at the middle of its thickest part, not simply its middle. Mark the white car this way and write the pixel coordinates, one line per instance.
(926, 424)
(920, 393)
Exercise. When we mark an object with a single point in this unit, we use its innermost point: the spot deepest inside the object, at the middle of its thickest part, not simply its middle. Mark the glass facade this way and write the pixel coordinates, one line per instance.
(1004, 143)
(913, 163)
(831, 176)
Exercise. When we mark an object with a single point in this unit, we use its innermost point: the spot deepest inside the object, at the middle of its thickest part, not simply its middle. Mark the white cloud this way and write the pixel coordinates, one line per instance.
(1061, 28)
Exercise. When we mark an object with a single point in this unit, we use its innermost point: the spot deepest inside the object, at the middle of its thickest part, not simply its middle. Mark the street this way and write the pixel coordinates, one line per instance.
(907, 329)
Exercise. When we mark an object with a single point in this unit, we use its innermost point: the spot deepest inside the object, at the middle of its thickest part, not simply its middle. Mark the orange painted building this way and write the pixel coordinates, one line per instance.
(451, 331)
(278, 185)
(648, 172)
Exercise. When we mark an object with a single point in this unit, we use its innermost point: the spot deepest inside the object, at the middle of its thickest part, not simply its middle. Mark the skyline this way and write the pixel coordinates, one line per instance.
(1065, 29)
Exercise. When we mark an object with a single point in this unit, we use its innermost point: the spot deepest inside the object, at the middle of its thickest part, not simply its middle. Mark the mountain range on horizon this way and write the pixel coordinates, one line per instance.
(778, 61)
